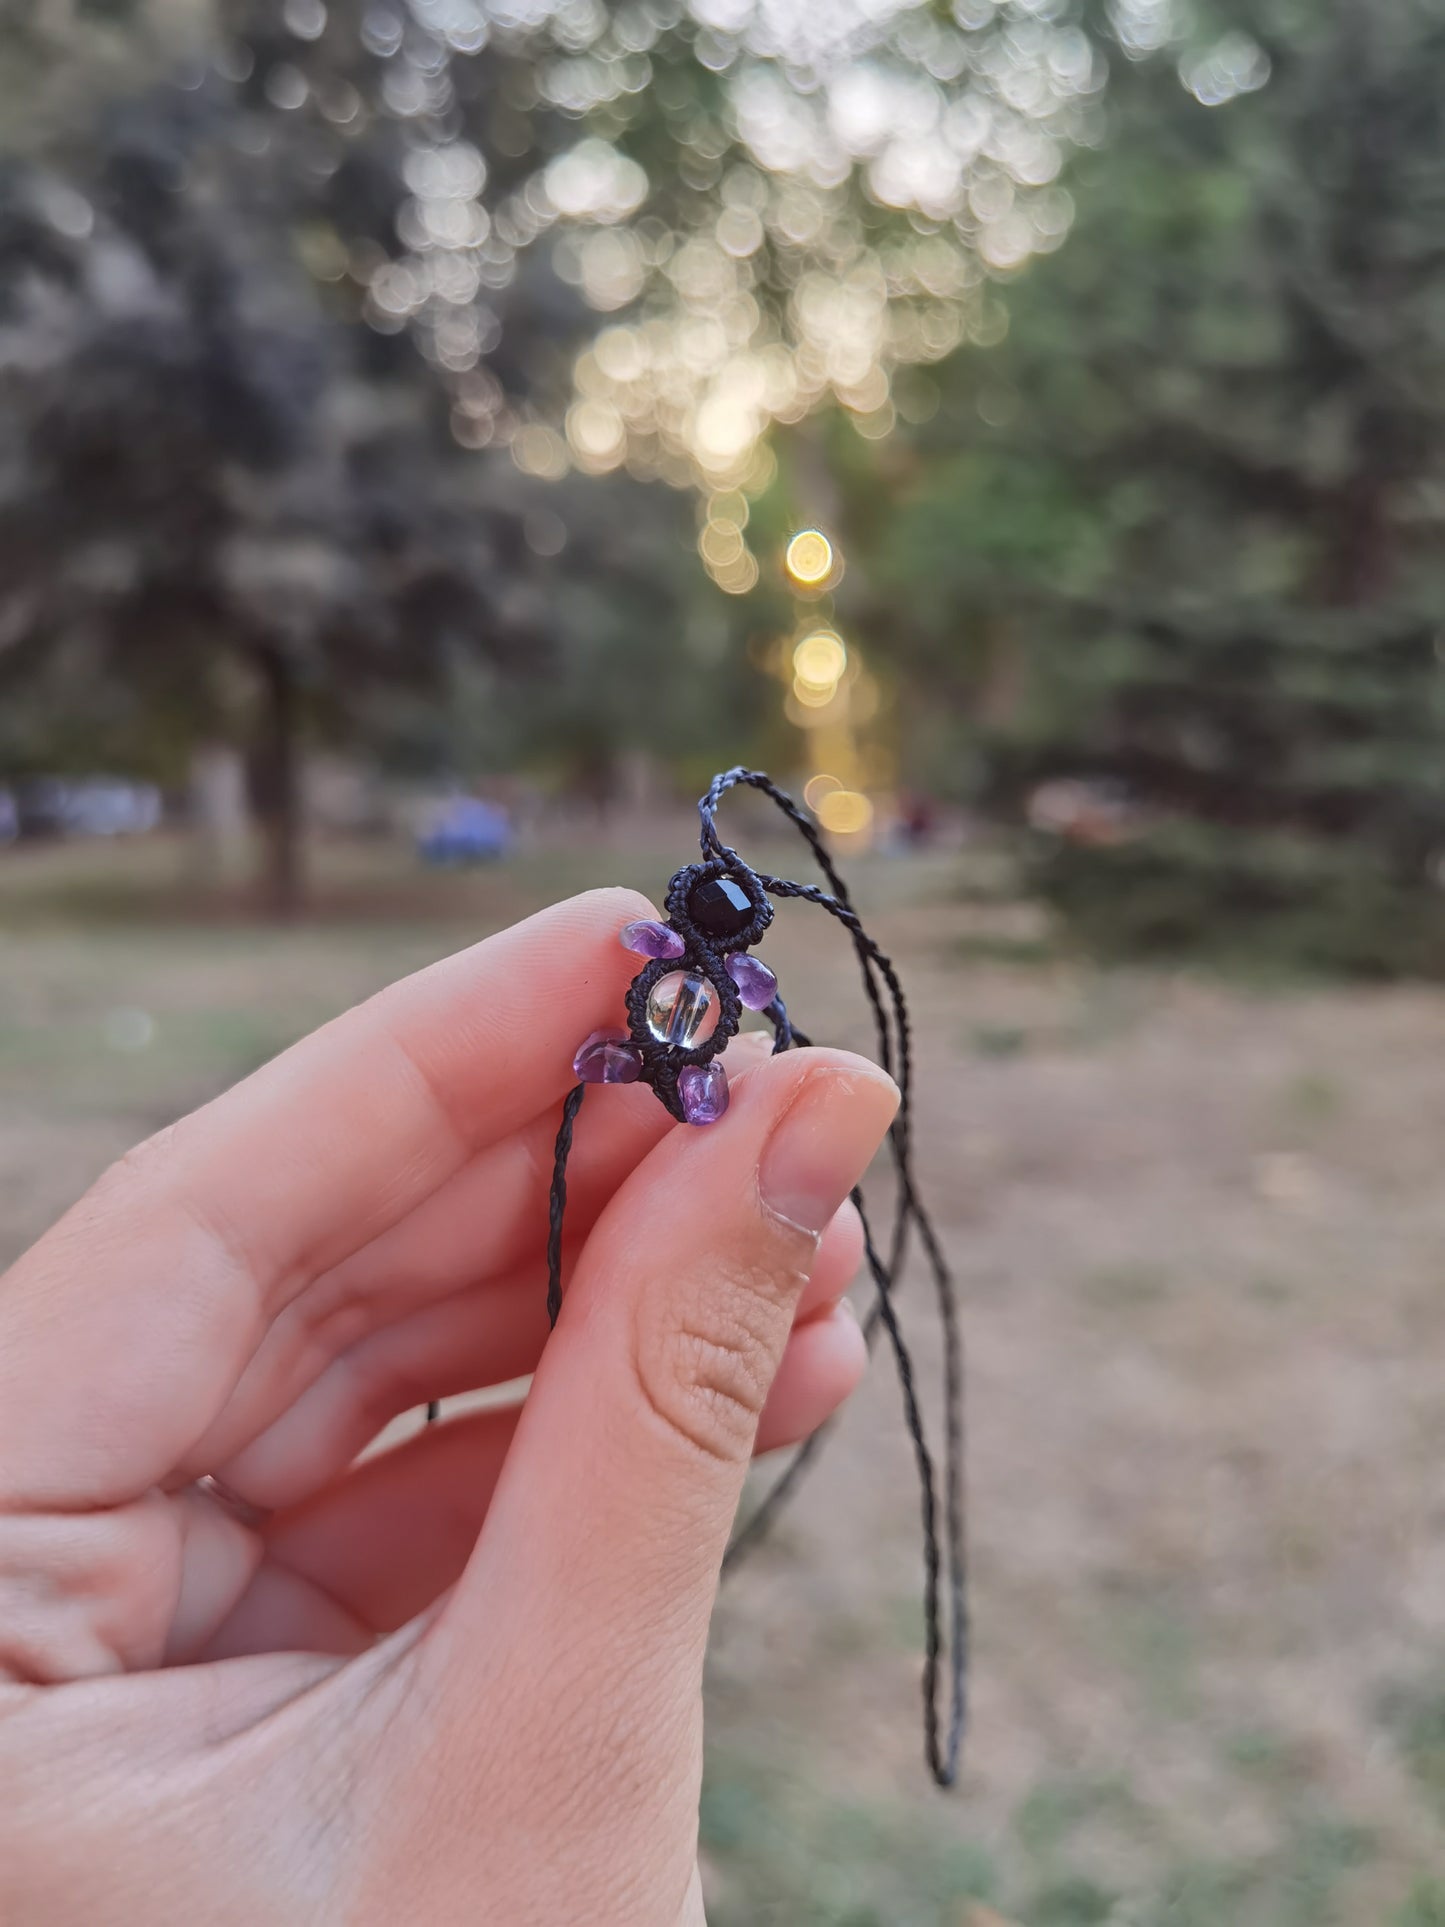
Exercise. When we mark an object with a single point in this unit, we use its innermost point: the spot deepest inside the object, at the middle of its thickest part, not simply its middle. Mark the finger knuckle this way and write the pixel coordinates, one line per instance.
(151, 1154)
(706, 1362)
(130, 1179)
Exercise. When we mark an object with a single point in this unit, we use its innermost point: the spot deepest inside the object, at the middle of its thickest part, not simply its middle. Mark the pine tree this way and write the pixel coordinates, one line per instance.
(1198, 549)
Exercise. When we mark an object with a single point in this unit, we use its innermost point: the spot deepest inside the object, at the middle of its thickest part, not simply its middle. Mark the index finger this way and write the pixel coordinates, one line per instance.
(123, 1331)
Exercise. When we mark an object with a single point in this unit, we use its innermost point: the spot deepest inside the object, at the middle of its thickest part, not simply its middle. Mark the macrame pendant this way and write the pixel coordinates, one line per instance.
(682, 1007)
(687, 1000)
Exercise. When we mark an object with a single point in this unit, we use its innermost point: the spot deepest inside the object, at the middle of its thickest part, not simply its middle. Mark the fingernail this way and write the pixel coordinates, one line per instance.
(825, 1141)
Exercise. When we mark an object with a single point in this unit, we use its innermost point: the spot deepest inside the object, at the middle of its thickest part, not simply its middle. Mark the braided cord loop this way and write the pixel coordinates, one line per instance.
(946, 1627)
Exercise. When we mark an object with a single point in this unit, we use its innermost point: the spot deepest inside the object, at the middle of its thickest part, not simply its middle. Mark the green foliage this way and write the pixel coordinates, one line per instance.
(1416, 1719)
(221, 514)
(783, 1854)
(1075, 1902)
(282, 284)
(1179, 532)
(278, 296)
(1263, 900)
(232, 509)
(1425, 1906)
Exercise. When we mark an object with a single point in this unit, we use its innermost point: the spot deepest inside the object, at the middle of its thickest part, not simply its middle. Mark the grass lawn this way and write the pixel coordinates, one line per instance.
(1200, 1232)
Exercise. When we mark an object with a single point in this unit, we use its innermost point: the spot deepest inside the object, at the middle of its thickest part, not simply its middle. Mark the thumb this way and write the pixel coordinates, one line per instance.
(585, 1607)
(641, 1422)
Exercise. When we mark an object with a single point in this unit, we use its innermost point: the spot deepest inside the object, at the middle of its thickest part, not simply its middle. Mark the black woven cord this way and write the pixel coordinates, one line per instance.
(557, 1204)
(711, 842)
(759, 1521)
(942, 1757)
(896, 1055)
(911, 1213)
(784, 1035)
(946, 1633)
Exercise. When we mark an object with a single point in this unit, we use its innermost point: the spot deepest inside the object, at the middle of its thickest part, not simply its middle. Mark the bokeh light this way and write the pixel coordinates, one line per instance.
(819, 786)
(810, 559)
(813, 710)
(820, 659)
(827, 216)
(737, 578)
(721, 544)
(844, 812)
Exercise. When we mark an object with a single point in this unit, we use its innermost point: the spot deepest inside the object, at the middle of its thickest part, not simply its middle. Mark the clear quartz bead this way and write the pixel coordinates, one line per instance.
(683, 1008)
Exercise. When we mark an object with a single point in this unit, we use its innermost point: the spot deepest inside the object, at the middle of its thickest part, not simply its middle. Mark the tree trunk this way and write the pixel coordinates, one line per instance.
(276, 783)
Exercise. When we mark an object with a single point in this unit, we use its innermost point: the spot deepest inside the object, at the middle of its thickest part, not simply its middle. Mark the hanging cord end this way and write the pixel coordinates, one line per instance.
(682, 1007)
(558, 1201)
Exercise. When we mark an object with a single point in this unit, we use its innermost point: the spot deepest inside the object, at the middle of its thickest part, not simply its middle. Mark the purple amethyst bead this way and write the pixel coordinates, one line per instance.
(608, 1057)
(649, 938)
(757, 986)
(703, 1089)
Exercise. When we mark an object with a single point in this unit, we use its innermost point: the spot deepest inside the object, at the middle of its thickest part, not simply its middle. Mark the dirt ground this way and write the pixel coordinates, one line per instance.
(1200, 1238)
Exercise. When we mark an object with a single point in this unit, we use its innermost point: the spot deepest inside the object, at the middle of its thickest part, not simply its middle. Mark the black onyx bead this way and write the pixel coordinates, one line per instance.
(720, 907)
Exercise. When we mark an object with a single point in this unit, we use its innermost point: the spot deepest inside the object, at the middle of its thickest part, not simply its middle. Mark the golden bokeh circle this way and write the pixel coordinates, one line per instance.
(819, 786)
(809, 559)
(819, 659)
(845, 812)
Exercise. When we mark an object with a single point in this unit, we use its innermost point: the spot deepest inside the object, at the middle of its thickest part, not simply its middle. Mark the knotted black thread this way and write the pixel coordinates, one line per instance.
(945, 1632)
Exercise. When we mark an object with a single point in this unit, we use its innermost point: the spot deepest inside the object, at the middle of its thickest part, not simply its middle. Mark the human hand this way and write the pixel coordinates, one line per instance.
(460, 1680)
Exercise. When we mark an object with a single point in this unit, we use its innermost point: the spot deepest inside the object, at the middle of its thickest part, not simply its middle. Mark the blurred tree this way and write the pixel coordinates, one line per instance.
(641, 666)
(781, 204)
(208, 523)
(215, 467)
(1180, 532)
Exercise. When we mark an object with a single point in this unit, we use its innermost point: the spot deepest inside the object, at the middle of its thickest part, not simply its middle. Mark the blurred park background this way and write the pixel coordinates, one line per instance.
(436, 434)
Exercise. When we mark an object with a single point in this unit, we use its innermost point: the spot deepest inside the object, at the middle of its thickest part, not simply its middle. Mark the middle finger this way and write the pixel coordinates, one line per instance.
(474, 1233)
(469, 1341)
